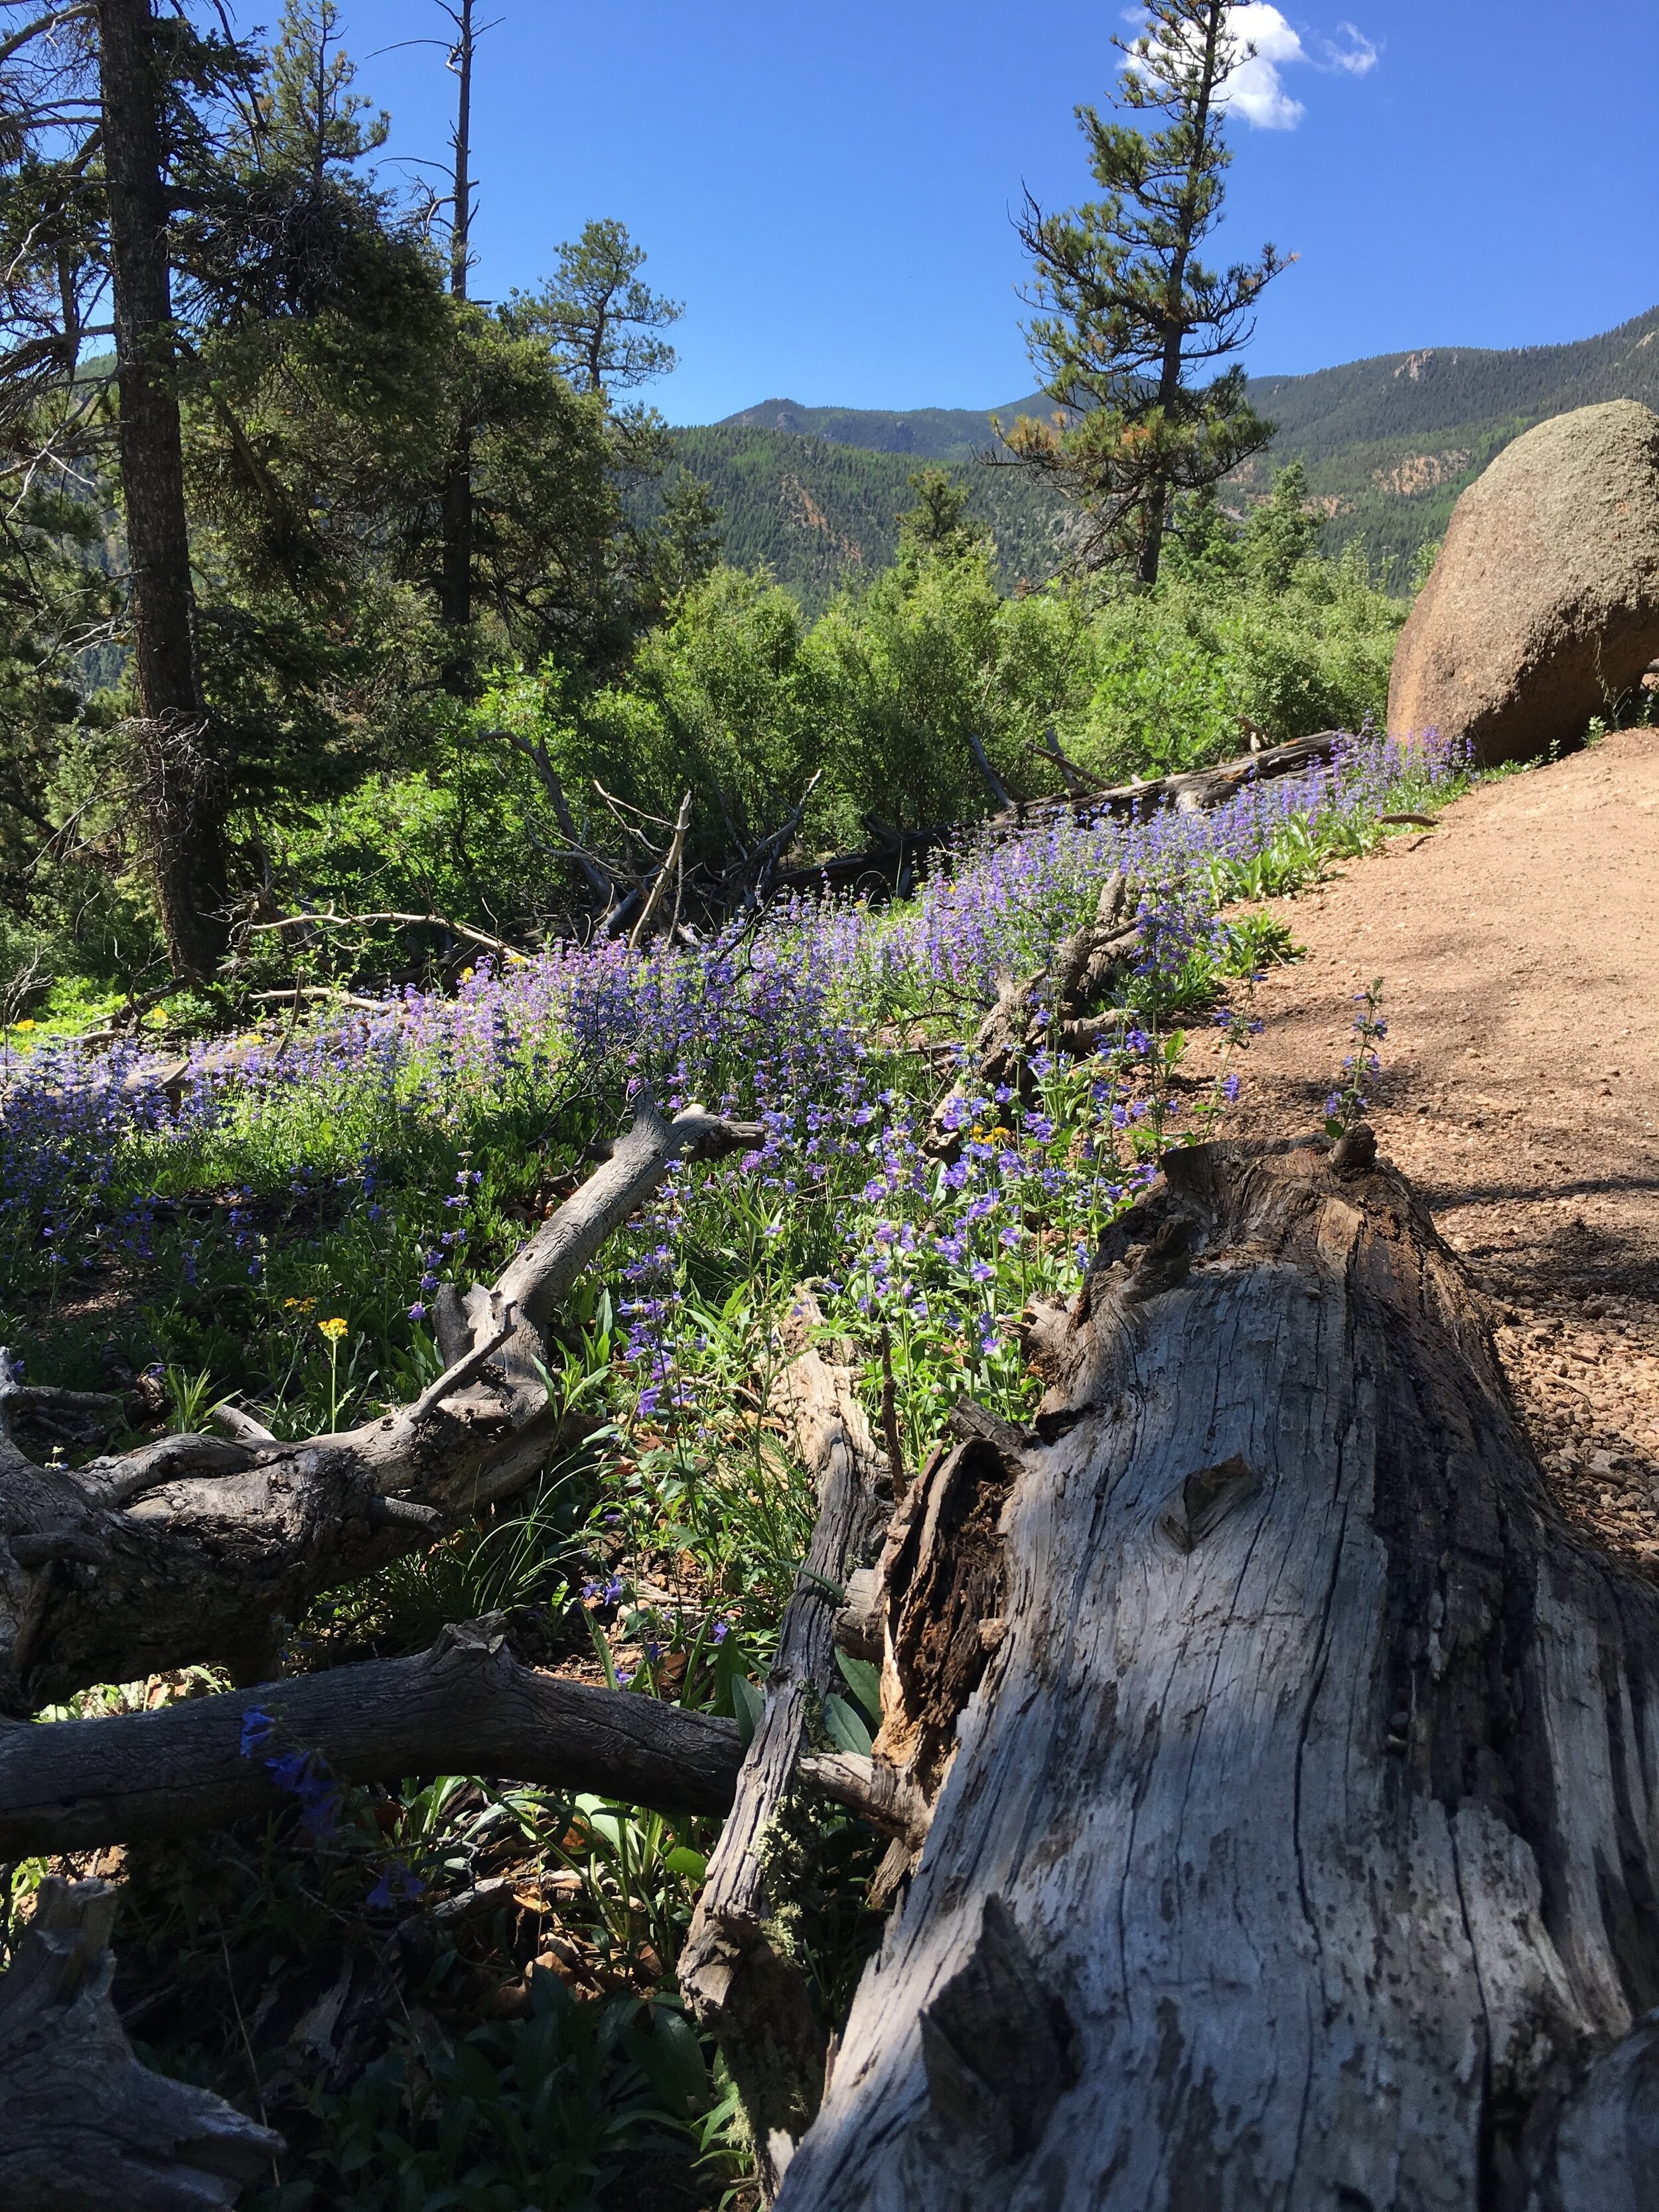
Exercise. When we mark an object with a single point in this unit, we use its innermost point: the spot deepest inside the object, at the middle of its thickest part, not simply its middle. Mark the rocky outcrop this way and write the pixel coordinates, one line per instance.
(1542, 610)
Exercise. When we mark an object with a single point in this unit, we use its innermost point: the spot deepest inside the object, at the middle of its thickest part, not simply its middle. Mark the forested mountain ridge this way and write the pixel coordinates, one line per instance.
(1388, 444)
(815, 508)
(934, 433)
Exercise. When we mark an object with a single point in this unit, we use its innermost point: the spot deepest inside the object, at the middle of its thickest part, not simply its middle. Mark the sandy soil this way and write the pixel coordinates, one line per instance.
(1518, 944)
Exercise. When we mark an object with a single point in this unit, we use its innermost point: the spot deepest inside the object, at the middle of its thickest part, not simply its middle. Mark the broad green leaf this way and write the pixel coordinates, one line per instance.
(750, 1700)
(864, 1680)
(846, 1725)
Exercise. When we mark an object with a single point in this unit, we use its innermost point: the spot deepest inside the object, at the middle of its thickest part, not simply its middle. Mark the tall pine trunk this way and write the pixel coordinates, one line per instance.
(455, 573)
(179, 779)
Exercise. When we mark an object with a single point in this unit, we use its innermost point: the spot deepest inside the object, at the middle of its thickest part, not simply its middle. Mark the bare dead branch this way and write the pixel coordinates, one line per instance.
(197, 1548)
(642, 927)
(466, 1706)
(739, 1984)
(304, 994)
(332, 920)
(988, 777)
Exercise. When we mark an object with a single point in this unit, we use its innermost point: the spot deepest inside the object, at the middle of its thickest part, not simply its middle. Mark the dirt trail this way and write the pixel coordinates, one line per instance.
(1519, 948)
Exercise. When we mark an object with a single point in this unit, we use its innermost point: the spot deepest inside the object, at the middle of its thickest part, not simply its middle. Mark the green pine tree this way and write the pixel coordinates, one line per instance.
(601, 320)
(1129, 316)
(934, 528)
(1282, 531)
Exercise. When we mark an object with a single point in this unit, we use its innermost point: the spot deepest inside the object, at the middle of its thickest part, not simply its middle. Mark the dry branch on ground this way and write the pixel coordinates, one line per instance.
(199, 1548)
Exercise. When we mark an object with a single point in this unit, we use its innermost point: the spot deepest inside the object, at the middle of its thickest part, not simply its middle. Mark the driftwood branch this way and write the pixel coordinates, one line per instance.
(993, 783)
(890, 861)
(466, 1706)
(1052, 1008)
(83, 2126)
(305, 994)
(750, 1995)
(1079, 781)
(198, 1548)
(594, 872)
(333, 921)
(642, 929)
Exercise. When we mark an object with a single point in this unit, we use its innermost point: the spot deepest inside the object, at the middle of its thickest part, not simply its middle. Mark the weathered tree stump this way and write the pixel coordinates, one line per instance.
(1295, 1768)
(84, 2125)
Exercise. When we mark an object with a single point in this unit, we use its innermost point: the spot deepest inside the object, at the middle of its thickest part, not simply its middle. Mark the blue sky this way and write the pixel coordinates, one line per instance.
(828, 189)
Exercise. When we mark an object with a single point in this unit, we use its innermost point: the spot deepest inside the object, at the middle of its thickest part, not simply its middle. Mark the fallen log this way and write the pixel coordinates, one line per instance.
(467, 1706)
(740, 1982)
(1295, 1828)
(198, 1548)
(1194, 791)
(891, 862)
(84, 2125)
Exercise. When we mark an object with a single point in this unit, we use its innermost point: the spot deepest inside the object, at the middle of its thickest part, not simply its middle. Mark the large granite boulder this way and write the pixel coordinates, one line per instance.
(1542, 609)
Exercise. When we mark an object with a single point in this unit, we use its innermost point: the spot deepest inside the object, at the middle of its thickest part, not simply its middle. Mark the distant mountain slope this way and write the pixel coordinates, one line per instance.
(1443, 388)
(934, 433)
(815, 509)
(1388, 444)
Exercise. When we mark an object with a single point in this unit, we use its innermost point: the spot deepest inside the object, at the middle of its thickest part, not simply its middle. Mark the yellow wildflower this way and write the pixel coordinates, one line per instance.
(298, 1305)
(333, 1330)
(23, 1025)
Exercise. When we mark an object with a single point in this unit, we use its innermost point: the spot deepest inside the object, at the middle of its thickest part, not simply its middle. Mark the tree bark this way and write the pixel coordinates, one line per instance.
(179, 782)
(1294, 1766)
(741, 1984)
(466, 1705)
(83, 2126)
(455, 572)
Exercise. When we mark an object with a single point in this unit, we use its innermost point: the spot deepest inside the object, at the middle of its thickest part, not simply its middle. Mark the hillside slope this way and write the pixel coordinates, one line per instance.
(1388, 444)
(816, 509)
(934, 433)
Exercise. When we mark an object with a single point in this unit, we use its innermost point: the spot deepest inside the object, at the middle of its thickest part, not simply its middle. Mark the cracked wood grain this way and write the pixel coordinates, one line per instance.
(741, 1984)
(83, 2125)
(1330, 1833)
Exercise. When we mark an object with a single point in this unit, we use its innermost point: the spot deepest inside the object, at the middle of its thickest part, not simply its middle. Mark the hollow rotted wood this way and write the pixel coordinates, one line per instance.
(197, 1548)
(84, 2127)
(1310, 1795)
(740, 1983)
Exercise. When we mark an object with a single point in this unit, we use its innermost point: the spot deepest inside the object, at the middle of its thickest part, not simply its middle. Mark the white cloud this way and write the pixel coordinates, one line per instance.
(1356, 58)
(1257, 89)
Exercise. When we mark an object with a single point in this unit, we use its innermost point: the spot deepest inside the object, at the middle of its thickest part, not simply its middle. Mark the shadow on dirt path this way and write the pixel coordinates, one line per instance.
(1518, 946)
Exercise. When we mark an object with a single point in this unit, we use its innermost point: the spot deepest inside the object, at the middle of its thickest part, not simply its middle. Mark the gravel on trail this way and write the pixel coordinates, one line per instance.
(1518, 946)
